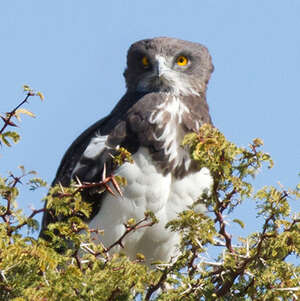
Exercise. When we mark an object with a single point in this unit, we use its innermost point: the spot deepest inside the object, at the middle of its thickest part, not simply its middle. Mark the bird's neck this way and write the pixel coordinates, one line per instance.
(171, 120)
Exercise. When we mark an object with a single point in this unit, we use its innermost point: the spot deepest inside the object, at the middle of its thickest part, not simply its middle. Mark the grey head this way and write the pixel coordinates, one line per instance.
(168, 65)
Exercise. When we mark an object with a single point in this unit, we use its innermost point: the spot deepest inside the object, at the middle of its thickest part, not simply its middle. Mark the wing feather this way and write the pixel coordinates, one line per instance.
(87, 155)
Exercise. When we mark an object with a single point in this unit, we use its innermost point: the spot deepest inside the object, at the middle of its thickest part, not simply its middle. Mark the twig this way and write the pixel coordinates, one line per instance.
(294, 222)
(191, 265)
(128, 230)
(119, 241)
(34, 212)
(154, 287)
(12, 113)
(76, 256)
(7, 213)
(223, 231)
(86, 185)
(234, 274)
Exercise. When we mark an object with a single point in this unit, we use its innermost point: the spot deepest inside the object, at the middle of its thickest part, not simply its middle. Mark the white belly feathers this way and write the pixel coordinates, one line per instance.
(148, 189)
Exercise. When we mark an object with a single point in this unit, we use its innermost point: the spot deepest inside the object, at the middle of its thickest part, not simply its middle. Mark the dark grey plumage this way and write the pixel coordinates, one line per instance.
(165, 100)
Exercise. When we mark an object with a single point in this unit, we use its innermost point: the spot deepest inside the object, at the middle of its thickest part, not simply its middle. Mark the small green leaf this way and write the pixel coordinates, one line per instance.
(15, 137)
(238, 221)
(36, 183)
(41, 95)
(4, 140)
(140, 256)
(258, 142)
(20, 111)
(22, 169)
(27, 88)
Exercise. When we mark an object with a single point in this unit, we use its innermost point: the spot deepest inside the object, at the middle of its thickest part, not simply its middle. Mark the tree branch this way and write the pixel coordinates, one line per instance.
(9, 115)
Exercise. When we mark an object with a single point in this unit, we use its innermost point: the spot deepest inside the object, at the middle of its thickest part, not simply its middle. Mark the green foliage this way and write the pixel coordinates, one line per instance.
(6, 136)
(122, 156)
(15, 137)
(255, 268)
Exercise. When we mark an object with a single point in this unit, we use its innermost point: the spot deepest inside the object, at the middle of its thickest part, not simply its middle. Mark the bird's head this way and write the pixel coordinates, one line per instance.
(168, 65)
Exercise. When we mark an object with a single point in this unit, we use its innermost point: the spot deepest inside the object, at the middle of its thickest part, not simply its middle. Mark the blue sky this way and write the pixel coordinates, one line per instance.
(75, 51)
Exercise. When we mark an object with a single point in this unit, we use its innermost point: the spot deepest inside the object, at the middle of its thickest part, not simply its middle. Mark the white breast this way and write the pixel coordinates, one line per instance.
(148, 189)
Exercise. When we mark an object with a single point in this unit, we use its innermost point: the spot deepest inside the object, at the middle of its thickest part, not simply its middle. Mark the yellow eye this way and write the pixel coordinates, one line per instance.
(145, 61)
(182, 60)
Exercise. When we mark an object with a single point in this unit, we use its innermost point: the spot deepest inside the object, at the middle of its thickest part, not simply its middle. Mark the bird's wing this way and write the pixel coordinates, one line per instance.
(86, 156)
(75, 152)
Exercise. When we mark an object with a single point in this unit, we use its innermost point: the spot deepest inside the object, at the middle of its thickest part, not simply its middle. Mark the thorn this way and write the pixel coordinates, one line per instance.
(104, 172)
(61, 187)
(78, 180)
(116, 185)
(17, 179)
(8, 121)
(109, 189)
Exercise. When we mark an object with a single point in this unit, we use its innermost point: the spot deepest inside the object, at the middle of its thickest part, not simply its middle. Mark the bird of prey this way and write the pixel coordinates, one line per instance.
(166, 81)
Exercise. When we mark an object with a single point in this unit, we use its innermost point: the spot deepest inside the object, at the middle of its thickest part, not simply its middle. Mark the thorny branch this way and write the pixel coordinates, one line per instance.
(225, 288)
(9, 115)
(5, 216)
(87, 185)
(223, 232)
(219, 218)
(192, 267)
(128, 229)
(154, 287)
(34, 213)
